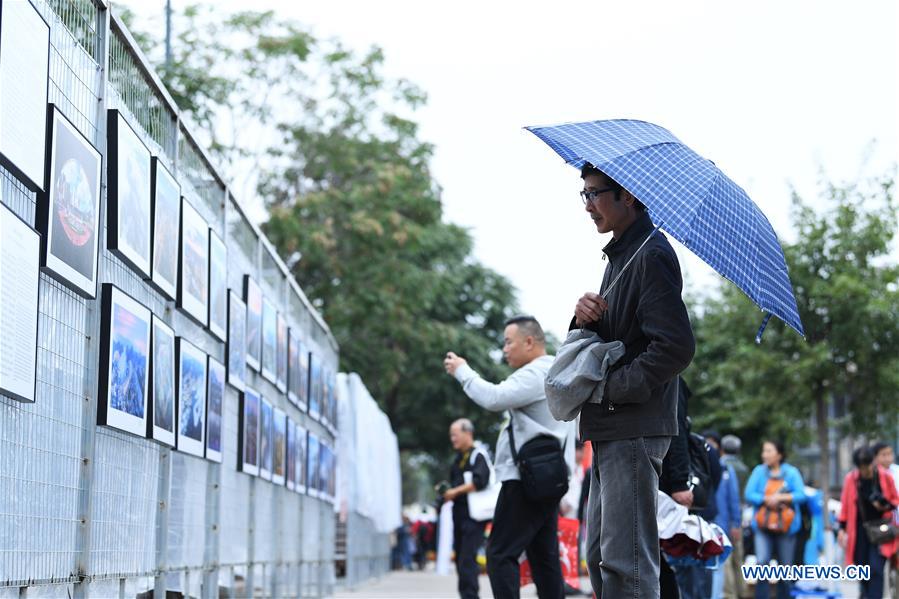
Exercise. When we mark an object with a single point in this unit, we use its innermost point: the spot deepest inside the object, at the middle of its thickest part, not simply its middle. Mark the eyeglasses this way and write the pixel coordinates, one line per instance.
(590, 196)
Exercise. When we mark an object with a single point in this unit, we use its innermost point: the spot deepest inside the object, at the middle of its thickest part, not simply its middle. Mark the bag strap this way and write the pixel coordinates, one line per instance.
(512, 437)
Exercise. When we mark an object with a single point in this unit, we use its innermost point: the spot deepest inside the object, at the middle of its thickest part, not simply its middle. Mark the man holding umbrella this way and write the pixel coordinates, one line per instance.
(632, 428)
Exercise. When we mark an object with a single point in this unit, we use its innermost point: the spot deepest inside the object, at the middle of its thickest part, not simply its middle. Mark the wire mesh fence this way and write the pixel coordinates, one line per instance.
(89, 511)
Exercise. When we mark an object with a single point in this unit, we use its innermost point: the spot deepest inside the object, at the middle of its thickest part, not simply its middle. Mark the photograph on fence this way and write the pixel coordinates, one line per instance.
(124, 362)
(312, 466)
(279, 447)
(68, 212)
(128, 194)
(315, 386)
(215, 396)
(325, 405)
(193, 287)
(266, 438)
(236, 349)
(293, 363)
(302, 368)
(252, 295)
(161, 408)
(323, 469)
(218, 285)
(282, 353)
(291, 478)
(248, 432)
(269, 341)
(165, 201)
(332, 392)
(24, 81)
(191, 363)
(302, 467)
(20, 263)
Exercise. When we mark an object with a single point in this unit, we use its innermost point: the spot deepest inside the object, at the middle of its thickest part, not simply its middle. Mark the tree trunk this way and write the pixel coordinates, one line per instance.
(821, 406)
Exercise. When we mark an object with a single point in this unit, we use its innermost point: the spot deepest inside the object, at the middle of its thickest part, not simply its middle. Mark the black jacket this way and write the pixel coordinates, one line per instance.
(676, 466)
(646, 312)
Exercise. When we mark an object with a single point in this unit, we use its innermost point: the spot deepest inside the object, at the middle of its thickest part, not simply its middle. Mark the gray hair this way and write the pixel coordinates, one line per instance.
(465, 425)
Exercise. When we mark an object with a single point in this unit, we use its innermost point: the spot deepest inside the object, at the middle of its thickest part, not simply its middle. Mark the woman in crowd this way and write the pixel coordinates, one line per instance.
(775, 490)
(869, 495)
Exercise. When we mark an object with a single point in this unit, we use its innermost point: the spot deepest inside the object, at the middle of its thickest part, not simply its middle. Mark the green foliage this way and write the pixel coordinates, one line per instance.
(353, 208)
(847, 290)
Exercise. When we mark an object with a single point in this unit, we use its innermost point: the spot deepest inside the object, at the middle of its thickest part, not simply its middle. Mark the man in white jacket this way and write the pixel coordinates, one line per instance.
(520, 525)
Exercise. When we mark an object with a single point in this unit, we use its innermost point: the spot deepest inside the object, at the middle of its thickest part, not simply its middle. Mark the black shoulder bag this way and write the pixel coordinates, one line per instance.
(541, 463)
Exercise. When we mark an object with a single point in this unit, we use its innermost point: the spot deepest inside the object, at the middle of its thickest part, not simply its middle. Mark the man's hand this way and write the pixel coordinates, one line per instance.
(841, 538)
(451, 494)
(590, 308)
(685, 498)
(452, 362)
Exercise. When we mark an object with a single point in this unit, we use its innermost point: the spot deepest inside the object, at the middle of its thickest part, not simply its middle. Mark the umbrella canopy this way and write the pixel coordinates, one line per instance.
(691, 199)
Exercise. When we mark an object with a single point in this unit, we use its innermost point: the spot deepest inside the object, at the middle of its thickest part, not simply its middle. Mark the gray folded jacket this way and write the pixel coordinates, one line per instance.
(579, 373)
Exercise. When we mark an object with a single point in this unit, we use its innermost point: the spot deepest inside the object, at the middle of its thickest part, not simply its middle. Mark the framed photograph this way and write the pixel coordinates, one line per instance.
(218, 286)
(291, 455)
(279, 447)
(236, 350)
(266, 439)
(282, 353)
(191, 365)
(20, 267)
(312, 466)
(248, 432)
(128, 195)
(68, 212)
(161, 424)
(165, 203)
(325, 406)
(332, 389)
(269, 341)
(215, 397)
(252, 295)
(315, 386)
(332, 474)
(322, 470)
(293, 366)
(301, 445)
(193, 287)
(124, 362)
(25, 68)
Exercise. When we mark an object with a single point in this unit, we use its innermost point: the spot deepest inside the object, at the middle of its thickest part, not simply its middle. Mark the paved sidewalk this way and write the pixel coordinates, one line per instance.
(421, 585)
(428, 585)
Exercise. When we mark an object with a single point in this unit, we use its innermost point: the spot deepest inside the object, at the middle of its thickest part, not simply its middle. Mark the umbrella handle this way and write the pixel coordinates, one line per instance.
(628, 263)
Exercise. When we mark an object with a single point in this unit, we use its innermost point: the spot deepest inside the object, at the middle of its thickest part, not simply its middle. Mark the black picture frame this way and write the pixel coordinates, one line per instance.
(252, 296)
(248, 432)
(269, 341)
(279, 446)
(281, 363)
(128, 212)
(236, 347)
(67, 213)
(19, 296)
(193, 264)
(266, 439)
(124, 378)
(165, 203)
(218, 286)
(191, 367)
(215, 413)
(26, 46)
(161, 408)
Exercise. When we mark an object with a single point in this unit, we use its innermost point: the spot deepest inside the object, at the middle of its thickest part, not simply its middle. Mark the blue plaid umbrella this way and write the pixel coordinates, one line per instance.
(691, 199)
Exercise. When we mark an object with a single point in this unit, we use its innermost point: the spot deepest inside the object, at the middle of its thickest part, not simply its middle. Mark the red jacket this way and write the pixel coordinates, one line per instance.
(849, 510)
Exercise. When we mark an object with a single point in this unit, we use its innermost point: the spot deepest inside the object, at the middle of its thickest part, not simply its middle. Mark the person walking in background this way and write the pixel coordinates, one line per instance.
(468, 534)
(520, 524)
(727, 502)
(869, 495)
(775, 490)
(632, 427)
(734, 584)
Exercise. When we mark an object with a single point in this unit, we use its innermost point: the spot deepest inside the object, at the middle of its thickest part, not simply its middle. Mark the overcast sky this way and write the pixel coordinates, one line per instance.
(774, 92)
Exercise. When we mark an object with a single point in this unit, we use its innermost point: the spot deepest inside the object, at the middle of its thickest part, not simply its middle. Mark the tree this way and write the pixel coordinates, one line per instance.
(847, 290)
(353, 207)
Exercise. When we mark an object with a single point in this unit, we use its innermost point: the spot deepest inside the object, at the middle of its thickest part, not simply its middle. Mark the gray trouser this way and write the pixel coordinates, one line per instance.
(622, 534)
